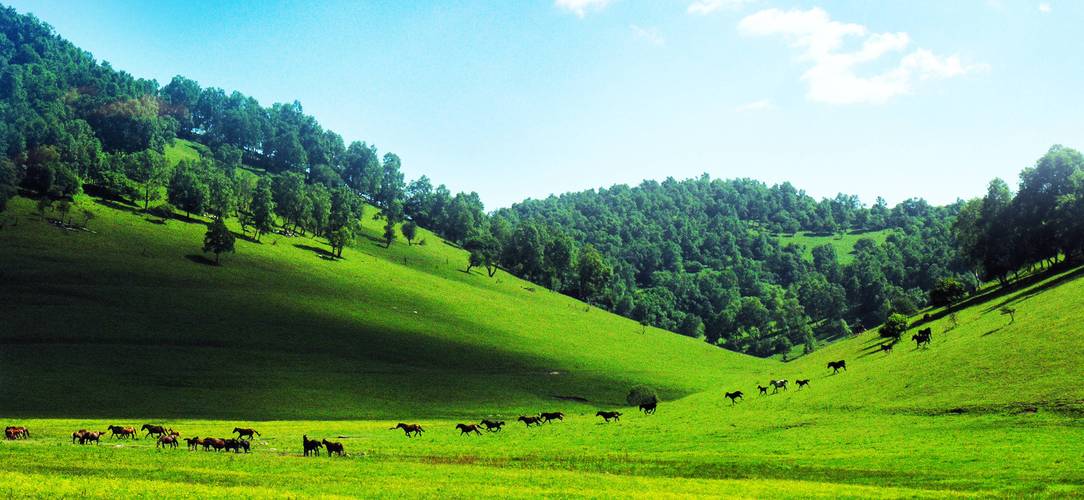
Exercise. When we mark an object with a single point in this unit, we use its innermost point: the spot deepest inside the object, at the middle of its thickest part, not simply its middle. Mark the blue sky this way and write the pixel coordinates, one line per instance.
(527, 98)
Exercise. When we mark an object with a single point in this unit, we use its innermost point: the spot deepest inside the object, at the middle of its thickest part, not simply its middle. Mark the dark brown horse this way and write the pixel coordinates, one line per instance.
(548, 417)
(236, 445)
(734, 396)
(802, 382)
(468, 428)
(331, 448)
(531, 420)
(609, 415)
(310, 445)
(241, 433)
(78, 434)
(193, 442)
(409, 429)
(493, 425)
(836, 365)
(123, 432)
(153, 430)
(166, 440)
(91, 436)
(216, 443)
(16, 432)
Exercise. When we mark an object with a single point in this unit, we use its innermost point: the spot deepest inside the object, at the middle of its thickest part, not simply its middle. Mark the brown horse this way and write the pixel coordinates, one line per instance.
(493, 425)
(467, 429)
(331, 448)
(609, 415)
(91, 436)
(122, 432)
(734, 396)
(193, 442)
(531, 420)
(836, 365)
(78, 434)
(802, 382)
(166, 440)
(216, 443)
(548, 417)
(310, 445)
(241, 433)
(16, 432)
(408, 429)
(153, 430)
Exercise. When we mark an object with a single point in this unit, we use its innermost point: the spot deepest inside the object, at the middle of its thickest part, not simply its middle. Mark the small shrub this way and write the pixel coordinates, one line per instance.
(164, 211)
(894, 326)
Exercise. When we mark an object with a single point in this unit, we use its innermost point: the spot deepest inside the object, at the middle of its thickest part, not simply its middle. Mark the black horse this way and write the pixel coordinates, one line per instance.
(493, 425)
(802, 382)
(609, 415)
(310, 445)
(648, 407)
(735, 395)
(836, 365)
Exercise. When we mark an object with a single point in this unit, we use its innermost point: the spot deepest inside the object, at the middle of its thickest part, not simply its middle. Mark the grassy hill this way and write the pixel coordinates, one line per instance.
(283, 331)
(129, 325)
(843, 243)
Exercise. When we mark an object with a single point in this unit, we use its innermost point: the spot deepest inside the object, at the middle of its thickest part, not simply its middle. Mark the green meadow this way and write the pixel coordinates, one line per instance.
(128, 323)
(842, 243)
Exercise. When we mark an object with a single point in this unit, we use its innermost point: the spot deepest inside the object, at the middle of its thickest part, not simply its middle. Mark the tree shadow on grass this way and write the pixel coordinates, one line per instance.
(116, 205)
(245, 237)
(320, 252)
(199, 259)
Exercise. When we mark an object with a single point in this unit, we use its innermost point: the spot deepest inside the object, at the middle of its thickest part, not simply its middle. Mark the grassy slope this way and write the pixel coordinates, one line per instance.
(280, 331)
(843, 244)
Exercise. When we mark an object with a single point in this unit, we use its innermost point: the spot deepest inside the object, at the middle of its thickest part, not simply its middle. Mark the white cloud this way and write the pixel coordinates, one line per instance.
(580, 7)
(761, 105)
(833, 75)
(651, 35)
(704, 7)
(1045, 8)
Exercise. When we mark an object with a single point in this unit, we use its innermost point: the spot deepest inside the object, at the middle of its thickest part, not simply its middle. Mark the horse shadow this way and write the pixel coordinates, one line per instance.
(199, 259)
(320, 252)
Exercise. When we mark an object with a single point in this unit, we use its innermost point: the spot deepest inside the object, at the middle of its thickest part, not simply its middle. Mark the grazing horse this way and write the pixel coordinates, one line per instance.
(802, 382)
(236, 445)
(493, 425)
(547, 417)
(91, 436)
(166, 440)
(153, 430)
(193, 442)
(735, 395)
(763, 390)
(922, 337)
(216, 443)
(409, 428)
(16, 432)
(333, 448)
(531, 420)
(78, 434)
(609, 415)
(886, 347)
(649, 407)
(241, 433)
(836, 365)
(311, 445)
(467, 429)
(777, 384)
(122, 432)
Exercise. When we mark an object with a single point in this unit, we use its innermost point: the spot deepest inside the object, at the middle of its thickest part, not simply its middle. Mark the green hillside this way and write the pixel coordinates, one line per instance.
(283, 331)
(843, 243)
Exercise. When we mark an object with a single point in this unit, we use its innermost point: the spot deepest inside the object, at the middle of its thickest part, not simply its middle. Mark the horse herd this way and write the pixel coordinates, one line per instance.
(775, 385)
(922, 339)
(169, 438)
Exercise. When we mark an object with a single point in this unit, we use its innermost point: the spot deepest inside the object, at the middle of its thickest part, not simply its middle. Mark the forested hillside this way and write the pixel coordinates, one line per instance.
(703, 257)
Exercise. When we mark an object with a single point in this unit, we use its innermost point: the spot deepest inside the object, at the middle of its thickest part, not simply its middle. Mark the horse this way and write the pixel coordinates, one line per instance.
(241, 433)
(16, 432)
(836, 365)
(763, 390)
(922, 337)
(531, 420)
(236, 445)
(217, 443)
(609, 415)
(91, 436)
(78, 434)
(409, 428)
(333, 448)
(547, 417)
(193, 442)
(493, 425)
(777, 384)
(467, 429)
(153, 430)
(312, 445)
(886, 347)
(735, 395)
(649, 407)
(802, 382)
(166, 440)
(122, 432)
(171, 432)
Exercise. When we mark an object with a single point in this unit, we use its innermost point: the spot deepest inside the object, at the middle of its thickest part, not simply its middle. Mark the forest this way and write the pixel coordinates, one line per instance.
(700, 257)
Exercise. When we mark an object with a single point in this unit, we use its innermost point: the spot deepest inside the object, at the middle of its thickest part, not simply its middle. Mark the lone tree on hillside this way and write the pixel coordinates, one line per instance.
(894, 326)
(410, 230)
(339, 239)
(218, 239)
(389, 233)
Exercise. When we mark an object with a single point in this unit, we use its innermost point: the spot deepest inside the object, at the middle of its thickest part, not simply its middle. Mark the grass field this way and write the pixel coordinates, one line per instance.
(130, 325)
(843, 243)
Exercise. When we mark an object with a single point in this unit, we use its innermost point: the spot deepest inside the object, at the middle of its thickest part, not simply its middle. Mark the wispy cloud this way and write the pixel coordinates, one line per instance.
(580, 7)
(1045, 8)
(833, 75)
(651, 35)
(704, 7)
(761, 105)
